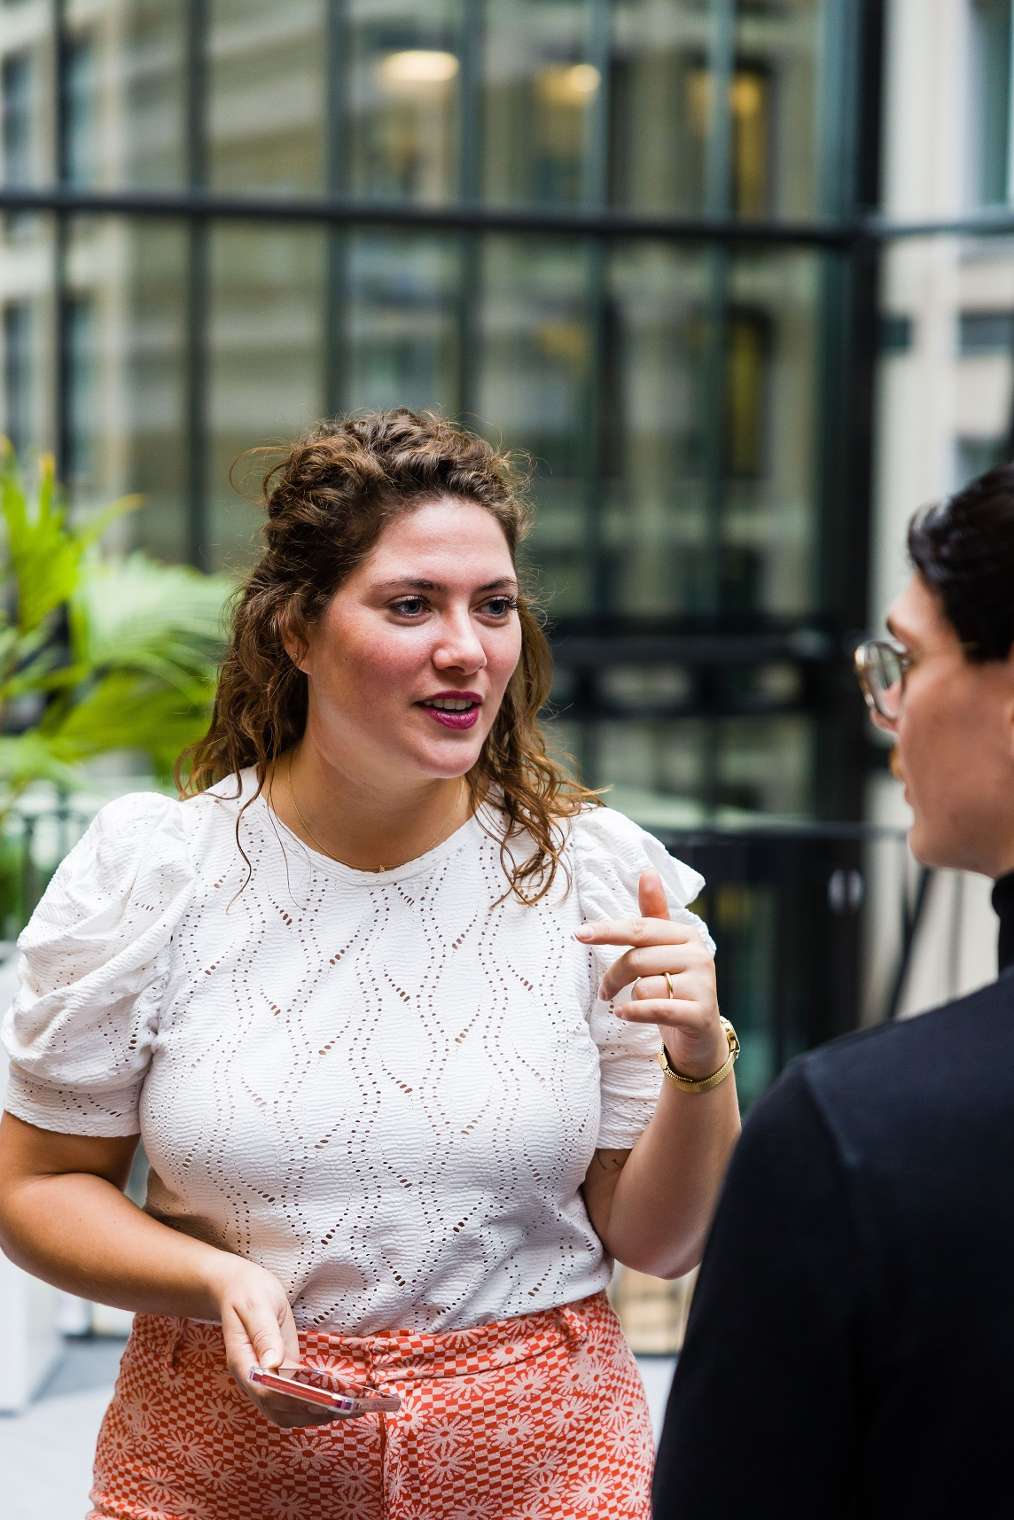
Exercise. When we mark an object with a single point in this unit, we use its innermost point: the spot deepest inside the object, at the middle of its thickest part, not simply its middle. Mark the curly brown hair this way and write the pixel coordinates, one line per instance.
(328, 501)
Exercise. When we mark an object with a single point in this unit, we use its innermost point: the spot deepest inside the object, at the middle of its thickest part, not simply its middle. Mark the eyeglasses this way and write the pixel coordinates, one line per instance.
(881, 669)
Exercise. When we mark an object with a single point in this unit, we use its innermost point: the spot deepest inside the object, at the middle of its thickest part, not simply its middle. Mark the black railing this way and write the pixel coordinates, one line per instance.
(799, 913)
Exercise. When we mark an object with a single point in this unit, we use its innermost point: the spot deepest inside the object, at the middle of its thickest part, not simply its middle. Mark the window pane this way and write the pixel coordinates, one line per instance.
(777, 96)
(666, 151)
(540, 92)
(26, 331)
(125, 94)
(124, 371)
(400, 316)
(656, 539)
(660, 128)
(770, 528)
(26, 141)
(403, 99)
(267, 357)
(535, 350)
(267, 106)
(947, 144)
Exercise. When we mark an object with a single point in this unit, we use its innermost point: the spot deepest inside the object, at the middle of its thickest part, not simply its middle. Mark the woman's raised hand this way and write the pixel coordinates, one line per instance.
(688, 1016)
(259, 1330)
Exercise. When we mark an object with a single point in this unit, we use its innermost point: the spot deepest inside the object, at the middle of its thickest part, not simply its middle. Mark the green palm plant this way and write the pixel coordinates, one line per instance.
(96, 654)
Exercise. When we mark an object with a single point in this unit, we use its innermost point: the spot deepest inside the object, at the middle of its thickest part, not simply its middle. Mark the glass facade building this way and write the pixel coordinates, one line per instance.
(611, 232)
(737, 274)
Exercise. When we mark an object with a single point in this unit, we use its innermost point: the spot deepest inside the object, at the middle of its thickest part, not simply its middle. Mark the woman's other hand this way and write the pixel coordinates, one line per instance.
(689, 1021)
(259, 1331)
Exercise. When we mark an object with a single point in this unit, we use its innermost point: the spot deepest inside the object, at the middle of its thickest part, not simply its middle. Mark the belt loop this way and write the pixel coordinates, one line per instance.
(575, 1332)
(177, 1332)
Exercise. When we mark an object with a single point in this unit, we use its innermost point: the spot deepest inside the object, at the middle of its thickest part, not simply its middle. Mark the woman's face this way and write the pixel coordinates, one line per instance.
(409, 664)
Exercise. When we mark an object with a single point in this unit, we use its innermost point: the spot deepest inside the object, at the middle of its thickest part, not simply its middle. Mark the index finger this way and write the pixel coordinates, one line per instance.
(634, 931)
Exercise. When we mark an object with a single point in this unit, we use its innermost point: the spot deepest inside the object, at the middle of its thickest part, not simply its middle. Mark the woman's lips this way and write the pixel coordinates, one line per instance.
(458, 720)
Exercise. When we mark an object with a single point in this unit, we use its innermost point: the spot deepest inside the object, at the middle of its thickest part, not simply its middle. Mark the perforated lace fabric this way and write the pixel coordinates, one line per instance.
(380, 1087)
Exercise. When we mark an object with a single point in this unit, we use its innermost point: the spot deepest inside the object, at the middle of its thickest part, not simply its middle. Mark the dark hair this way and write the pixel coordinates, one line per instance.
(963, 547)
(328, 500)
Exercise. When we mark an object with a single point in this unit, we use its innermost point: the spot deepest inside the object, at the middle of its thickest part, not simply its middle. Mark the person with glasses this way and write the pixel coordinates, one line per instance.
(850, 1350)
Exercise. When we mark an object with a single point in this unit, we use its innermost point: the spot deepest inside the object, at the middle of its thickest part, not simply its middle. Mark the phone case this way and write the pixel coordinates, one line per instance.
(365, 1401)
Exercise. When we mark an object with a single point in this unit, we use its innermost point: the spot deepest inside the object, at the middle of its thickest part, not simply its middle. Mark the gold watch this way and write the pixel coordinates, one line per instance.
(702, 1084)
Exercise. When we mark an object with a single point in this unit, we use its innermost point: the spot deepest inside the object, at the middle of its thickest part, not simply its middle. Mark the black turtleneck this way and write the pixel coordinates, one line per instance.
(1003, 903)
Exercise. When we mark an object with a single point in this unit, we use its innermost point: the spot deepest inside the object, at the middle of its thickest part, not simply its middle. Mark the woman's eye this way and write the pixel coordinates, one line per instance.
(409, 606)
(500, 606)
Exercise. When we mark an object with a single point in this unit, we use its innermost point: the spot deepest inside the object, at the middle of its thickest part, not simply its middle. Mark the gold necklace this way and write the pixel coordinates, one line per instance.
(375, 870)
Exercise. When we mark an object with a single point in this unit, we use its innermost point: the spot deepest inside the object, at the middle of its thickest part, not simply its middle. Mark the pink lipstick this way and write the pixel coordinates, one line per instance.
(453, 715)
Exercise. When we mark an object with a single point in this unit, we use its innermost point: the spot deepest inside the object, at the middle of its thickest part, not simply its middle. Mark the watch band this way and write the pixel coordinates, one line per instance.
(702, 1084)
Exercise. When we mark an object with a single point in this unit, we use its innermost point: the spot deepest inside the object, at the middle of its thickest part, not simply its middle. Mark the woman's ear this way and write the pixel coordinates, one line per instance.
(294, 643)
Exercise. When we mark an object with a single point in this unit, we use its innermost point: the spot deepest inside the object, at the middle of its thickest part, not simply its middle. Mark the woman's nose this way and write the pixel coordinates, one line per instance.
(459, 647)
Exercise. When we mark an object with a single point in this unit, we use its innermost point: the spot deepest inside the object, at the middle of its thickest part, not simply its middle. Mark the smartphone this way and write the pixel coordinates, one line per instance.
(306, 1383)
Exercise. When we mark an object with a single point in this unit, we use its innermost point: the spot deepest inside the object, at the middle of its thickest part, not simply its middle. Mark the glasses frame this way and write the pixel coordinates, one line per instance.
(863, 659)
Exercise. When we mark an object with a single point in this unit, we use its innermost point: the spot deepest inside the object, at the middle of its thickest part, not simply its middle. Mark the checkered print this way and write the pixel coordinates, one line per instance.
(542, 1417)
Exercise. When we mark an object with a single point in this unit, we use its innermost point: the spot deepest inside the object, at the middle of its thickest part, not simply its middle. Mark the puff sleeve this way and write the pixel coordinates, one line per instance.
(92, 967)
(610, 854)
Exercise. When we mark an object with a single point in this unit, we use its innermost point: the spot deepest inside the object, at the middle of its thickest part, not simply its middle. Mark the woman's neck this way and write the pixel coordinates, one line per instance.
(358, 823)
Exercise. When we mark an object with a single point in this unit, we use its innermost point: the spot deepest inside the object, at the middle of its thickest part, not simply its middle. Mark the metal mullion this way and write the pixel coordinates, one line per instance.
(61, 238)
(320, 209)
(198, 273)
(844, 440)
(595, 170)
(715, 442)
(596, 262)
(336, 272)
(470, 263)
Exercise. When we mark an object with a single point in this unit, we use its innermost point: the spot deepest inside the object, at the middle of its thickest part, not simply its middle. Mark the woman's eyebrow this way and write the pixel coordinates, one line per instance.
(417, 584)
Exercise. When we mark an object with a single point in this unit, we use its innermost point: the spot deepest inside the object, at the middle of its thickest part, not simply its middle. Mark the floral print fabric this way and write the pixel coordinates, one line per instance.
(542, 1417)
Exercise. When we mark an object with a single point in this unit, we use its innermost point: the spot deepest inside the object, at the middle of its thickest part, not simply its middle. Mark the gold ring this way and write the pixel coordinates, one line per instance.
(669, 984)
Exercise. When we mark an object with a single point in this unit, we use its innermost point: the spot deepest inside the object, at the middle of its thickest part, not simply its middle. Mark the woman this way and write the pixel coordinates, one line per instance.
(354, 995)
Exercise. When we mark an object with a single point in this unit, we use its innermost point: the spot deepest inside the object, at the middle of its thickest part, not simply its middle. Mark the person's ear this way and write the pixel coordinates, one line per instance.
(294, 643)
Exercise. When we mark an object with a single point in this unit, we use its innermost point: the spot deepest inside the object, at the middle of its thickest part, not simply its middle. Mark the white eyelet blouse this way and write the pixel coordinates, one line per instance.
(381, 1087)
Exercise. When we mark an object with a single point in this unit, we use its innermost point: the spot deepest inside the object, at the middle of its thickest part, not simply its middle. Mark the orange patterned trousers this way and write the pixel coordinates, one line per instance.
(542, 1417)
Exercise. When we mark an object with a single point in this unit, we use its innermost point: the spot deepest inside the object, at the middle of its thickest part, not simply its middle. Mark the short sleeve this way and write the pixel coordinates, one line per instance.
(610, 852)
(92, 965)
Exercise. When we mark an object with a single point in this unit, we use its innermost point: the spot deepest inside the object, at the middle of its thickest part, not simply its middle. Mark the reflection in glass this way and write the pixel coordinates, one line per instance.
(540, 93)
(26, 331)
(990, 98)
(124, 366)
(777, 96)
(266, 345)
(399, 311)
(81, 390)
(125, 94)
(403, 99)
(267, 105)
(17, 111)
(667, 152)
(535, 348)
(653, 415)
(658, 147)
(80, 114)
(769, 508)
